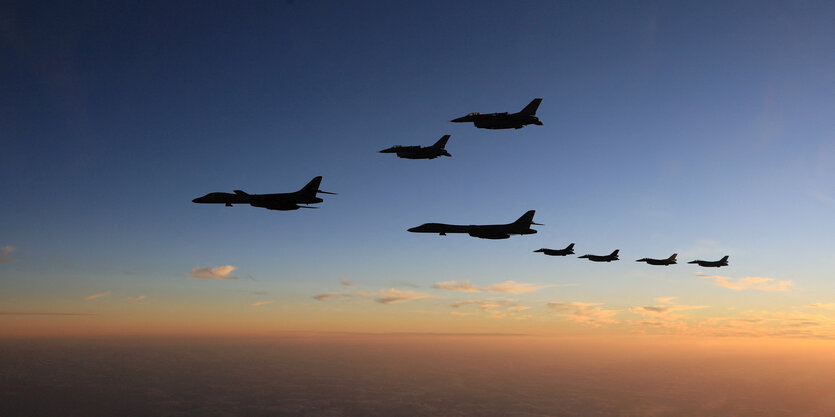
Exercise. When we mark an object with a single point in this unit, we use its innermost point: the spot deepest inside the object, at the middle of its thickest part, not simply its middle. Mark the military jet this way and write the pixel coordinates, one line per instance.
(711, 264)
(504, 120)
(603, 258)
(279, 201)
(521, 226)
(569, 250)
(669, 261)
(418, 152)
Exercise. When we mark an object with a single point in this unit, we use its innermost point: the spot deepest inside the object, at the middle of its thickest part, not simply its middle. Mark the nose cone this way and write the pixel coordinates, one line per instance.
(540, 250)
(388, 150)
(199, 199)
(414, 229)
(466, 118)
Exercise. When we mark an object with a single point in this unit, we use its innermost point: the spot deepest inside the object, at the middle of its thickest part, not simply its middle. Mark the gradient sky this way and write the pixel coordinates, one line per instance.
(703, 129)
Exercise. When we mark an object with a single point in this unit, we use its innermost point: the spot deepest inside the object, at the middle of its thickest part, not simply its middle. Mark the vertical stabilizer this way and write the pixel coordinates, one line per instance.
(312, 187)
(441, 143)
(530, 109)
(526, 219)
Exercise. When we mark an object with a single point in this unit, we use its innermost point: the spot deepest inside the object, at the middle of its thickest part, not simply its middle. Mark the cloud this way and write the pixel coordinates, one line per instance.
(666, 300)
(208, 272)
(828, 306)
(329, 295)
(661, 309)
(459, 314)
(4, 253)
(462, 286)
(394, 296)
(140, 299)
(261, 303)
(585, 313)
(514, 287)
(347, 283)
(99, 295)
(754, 283)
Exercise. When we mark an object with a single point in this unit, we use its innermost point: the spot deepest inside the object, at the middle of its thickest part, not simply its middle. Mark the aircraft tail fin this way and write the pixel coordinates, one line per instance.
(312, 187)
(441, 143)
(530, 109)
(615, 253)
(672, 258)
(570, 247)
(724, 259)
(526, 219)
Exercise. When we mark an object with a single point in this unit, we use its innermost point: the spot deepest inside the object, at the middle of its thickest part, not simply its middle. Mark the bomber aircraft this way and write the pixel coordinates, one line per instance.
(521, 226)
(603, 258)
(569, 250)
(669, 261)
(504, 120)
(279, 201)
(711, 264)
(418, 152)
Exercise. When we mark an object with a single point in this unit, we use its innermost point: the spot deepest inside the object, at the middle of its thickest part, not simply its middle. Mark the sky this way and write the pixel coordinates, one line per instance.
(699, 129)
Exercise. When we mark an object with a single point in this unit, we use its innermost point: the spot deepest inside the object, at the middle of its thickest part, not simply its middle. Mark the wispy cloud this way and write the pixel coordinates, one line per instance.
(462, 286)
(827, 306)
(752, 283)
(661, 309)
(666, 300)
(513, 287)
(261, 303)
(208, 272)
(328, 295)
(394, 296)
(588, 314)
(99, 295)
(140, 299)
(4, 253)
(347, 283)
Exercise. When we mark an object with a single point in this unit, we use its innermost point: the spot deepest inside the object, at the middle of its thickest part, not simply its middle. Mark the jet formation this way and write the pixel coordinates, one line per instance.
(504, 120)
(522, 226)
(278, 201)
(418, 152)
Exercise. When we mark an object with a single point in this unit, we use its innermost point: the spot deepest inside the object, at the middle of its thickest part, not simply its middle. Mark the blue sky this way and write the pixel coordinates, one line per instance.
(704, 129)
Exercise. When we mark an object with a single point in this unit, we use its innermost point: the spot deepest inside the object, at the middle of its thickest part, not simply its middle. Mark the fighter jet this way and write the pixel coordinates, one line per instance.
(711, 264)
(521, 226)
(418, 152)
(669, 261)
(569, 250)
(279, 201)
(603, 258)
(503, 120)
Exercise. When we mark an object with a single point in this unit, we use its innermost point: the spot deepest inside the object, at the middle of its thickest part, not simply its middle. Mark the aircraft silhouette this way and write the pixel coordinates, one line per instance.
(278, 201)
(711, 264)
(418, 152)
(569, 250)
(603, 258)
(521, 226)
(669, 261)
(504, 120)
